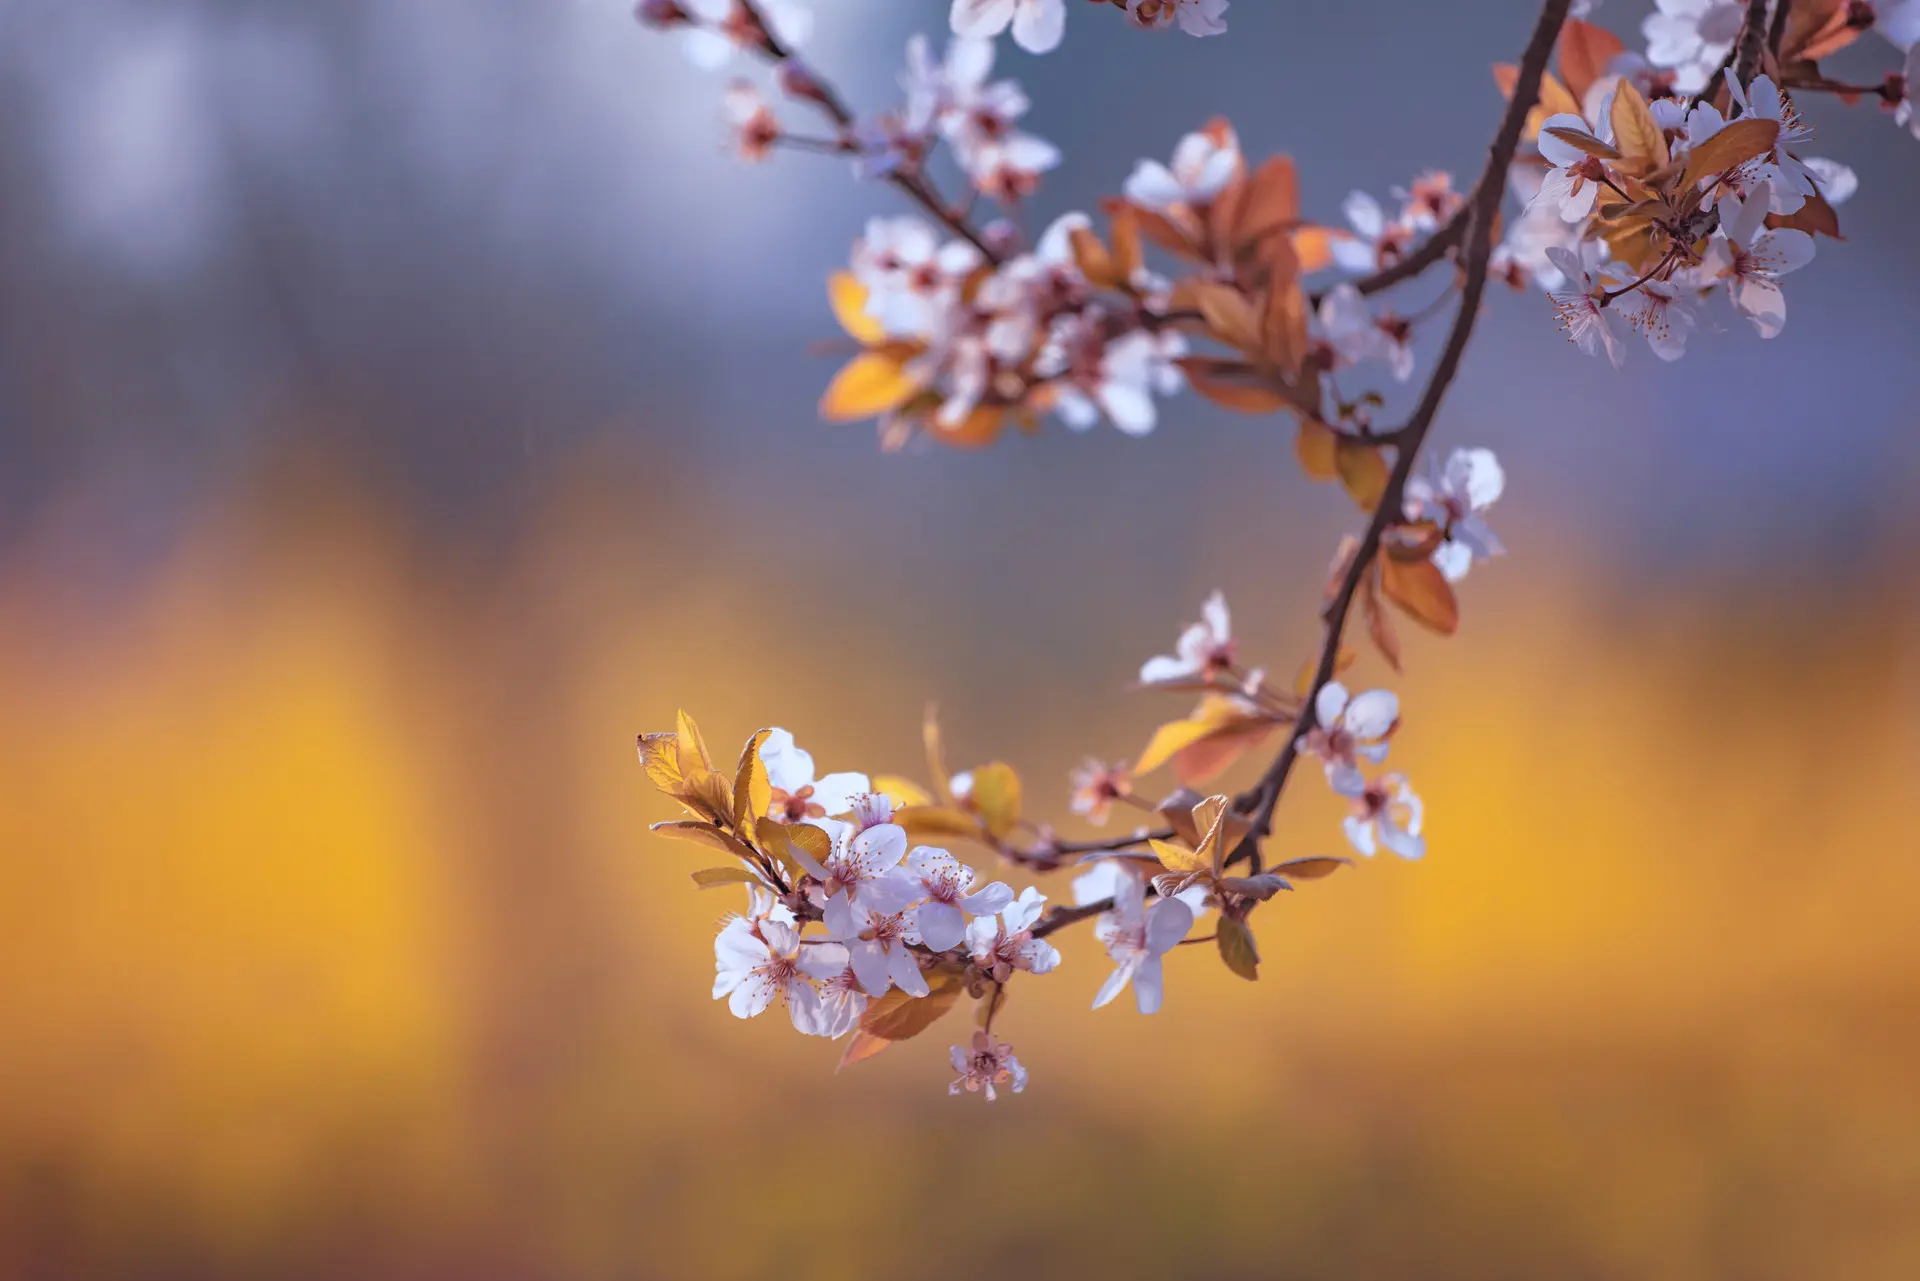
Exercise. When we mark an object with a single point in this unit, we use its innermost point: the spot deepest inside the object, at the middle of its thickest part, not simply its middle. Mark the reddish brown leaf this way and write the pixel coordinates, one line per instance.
(1419, 588)
(1815, 217)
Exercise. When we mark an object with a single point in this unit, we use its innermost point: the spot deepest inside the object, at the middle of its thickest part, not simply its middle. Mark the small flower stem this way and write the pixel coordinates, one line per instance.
(915, 184)
(1608, 295)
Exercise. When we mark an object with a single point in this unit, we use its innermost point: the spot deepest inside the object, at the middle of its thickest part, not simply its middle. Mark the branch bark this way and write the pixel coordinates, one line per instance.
(1480, 214)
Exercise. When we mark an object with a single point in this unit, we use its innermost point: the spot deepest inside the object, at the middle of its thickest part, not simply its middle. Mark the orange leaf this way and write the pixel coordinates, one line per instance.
(1127, 255)
(1419, 588)
(868, 385)
(1815, 217)
(1313, 246)
(1233, 384)
(1272, 201)
(978, 429)
(1230, 315)
(1285, 323)
(1585, 52)
(899, 1017)
(1735, 144)
(1555, 100)
(1380, 628)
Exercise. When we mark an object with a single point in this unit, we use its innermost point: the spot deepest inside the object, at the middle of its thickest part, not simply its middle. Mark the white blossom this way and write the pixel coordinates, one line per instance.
(1453, 495)
(1387, 813)
(1590, 326)
(950, 898)
(1204, 649)
(1037, 24)
(1196, 17)
(1692, 37)
(1752, 257)
(797, 793)
(1203, 164)
(1348, 730)
(1005, 943)
(861, 873)
(1136, 936)
(758, 962)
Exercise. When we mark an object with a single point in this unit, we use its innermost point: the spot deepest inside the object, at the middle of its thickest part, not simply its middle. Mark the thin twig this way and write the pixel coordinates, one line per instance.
(1430, 251)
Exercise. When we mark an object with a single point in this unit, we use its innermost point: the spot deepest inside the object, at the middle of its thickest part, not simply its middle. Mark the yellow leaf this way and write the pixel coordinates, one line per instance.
(848, 298)
(1179, 859)
(1237, 947)
(936, 754)
(867, 386)
(1635, 132)
(708, 792)
(1419, 588)
(1362, 470)
(996, 794)
(752, 793)
(705, 834)
(1736, 144)
(1206, 742)
(901, 791)
(693, 748)
(660, 757)
(708, 878)
(936, 820)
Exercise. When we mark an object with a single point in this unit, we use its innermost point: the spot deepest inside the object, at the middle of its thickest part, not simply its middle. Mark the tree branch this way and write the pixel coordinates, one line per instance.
(1480, 214)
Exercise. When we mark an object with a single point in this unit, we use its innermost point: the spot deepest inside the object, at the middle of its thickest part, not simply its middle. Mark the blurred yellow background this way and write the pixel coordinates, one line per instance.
(334, 944)
(402, 406)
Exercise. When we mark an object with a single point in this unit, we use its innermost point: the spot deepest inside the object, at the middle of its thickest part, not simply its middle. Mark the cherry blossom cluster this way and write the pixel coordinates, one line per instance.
(1632, 188)
(1678, 175)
